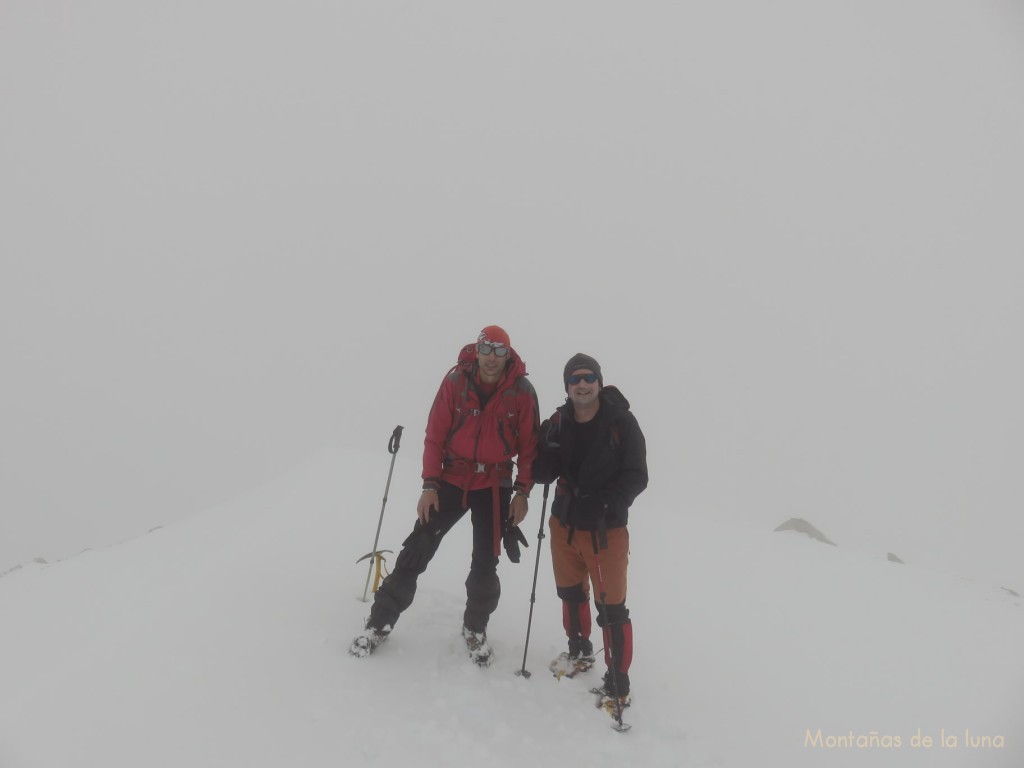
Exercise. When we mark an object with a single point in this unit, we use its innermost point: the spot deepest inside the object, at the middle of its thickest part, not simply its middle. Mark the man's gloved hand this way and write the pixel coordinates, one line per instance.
(546, 467)
(548, 435)
(512, 538)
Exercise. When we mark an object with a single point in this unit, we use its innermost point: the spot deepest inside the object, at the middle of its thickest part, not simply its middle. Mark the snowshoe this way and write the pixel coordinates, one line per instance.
(605, 697)
(606, 701)
(569, 666)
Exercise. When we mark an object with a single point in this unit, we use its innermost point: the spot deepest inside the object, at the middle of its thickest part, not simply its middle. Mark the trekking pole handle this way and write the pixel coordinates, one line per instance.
(540, 533)
(396, 439)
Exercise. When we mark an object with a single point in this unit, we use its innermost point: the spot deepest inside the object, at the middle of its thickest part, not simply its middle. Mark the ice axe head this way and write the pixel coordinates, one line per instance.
(379, 552)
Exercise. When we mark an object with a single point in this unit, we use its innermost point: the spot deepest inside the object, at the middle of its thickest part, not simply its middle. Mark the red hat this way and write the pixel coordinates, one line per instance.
(494, 334)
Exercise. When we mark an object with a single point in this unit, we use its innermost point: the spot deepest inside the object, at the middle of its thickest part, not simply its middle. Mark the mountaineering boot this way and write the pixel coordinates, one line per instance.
(366, 642)
(581, 651)
(480, 651)
(577, 623)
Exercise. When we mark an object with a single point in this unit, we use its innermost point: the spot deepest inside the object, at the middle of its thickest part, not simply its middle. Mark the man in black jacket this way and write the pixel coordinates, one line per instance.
(593, 446)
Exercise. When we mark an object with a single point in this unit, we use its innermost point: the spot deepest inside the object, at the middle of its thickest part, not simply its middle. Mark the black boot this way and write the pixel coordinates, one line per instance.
(581, 649)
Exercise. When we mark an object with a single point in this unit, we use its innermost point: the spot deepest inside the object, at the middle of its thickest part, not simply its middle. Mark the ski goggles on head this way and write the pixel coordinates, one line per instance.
(488, 347)
(576, 378)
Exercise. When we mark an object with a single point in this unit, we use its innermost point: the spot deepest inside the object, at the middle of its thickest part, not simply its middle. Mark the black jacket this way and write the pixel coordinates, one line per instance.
(613, 472)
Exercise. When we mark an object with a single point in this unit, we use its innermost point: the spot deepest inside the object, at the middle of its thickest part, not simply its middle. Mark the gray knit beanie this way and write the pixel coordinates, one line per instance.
(577, 361)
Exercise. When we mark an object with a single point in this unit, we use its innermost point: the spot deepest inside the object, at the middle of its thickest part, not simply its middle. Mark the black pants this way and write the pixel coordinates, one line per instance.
(483, 588)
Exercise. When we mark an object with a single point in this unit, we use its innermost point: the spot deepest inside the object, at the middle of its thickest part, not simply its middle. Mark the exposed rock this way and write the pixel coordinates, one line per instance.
(1010, 591)
(36, 560)
(802, 526)
(894, 559)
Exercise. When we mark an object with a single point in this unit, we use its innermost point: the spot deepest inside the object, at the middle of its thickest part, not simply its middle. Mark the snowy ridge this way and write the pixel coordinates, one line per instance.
(221, 641)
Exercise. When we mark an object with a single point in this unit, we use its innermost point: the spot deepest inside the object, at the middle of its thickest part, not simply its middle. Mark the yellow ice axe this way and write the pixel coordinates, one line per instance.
(379, 558)
(393, 445)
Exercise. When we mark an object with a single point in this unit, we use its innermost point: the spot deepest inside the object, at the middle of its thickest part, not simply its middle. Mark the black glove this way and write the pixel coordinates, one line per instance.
(547, 437)
(546, 466)
(544, 470)
(512, 538)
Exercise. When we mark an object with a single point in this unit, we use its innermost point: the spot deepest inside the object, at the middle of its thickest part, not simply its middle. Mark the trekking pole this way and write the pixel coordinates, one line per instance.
(393, 445)
(533, 595)
(602, 608)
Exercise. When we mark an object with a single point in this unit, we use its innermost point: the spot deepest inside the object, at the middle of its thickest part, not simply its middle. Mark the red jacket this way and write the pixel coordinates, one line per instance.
(466, 442)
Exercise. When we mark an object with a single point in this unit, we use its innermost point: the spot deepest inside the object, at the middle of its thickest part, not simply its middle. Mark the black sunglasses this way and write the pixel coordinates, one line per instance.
(485, 349)
(576, 378)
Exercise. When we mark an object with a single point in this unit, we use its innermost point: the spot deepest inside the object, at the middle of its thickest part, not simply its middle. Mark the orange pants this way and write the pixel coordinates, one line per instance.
(575, 562)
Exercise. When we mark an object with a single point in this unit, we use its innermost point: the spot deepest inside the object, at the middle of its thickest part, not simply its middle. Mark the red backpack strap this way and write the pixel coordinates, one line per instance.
(464, 368)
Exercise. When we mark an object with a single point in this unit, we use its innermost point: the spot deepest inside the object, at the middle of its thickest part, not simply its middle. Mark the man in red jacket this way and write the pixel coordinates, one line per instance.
(485, 413)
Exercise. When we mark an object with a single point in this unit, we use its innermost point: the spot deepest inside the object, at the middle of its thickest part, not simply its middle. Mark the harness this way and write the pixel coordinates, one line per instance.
(468, 470)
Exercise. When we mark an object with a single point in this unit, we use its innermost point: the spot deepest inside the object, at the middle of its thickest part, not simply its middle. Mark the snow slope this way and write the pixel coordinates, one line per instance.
(221, 641)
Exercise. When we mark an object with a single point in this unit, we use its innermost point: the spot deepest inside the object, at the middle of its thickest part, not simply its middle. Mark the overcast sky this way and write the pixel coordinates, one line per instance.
(236, 232)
